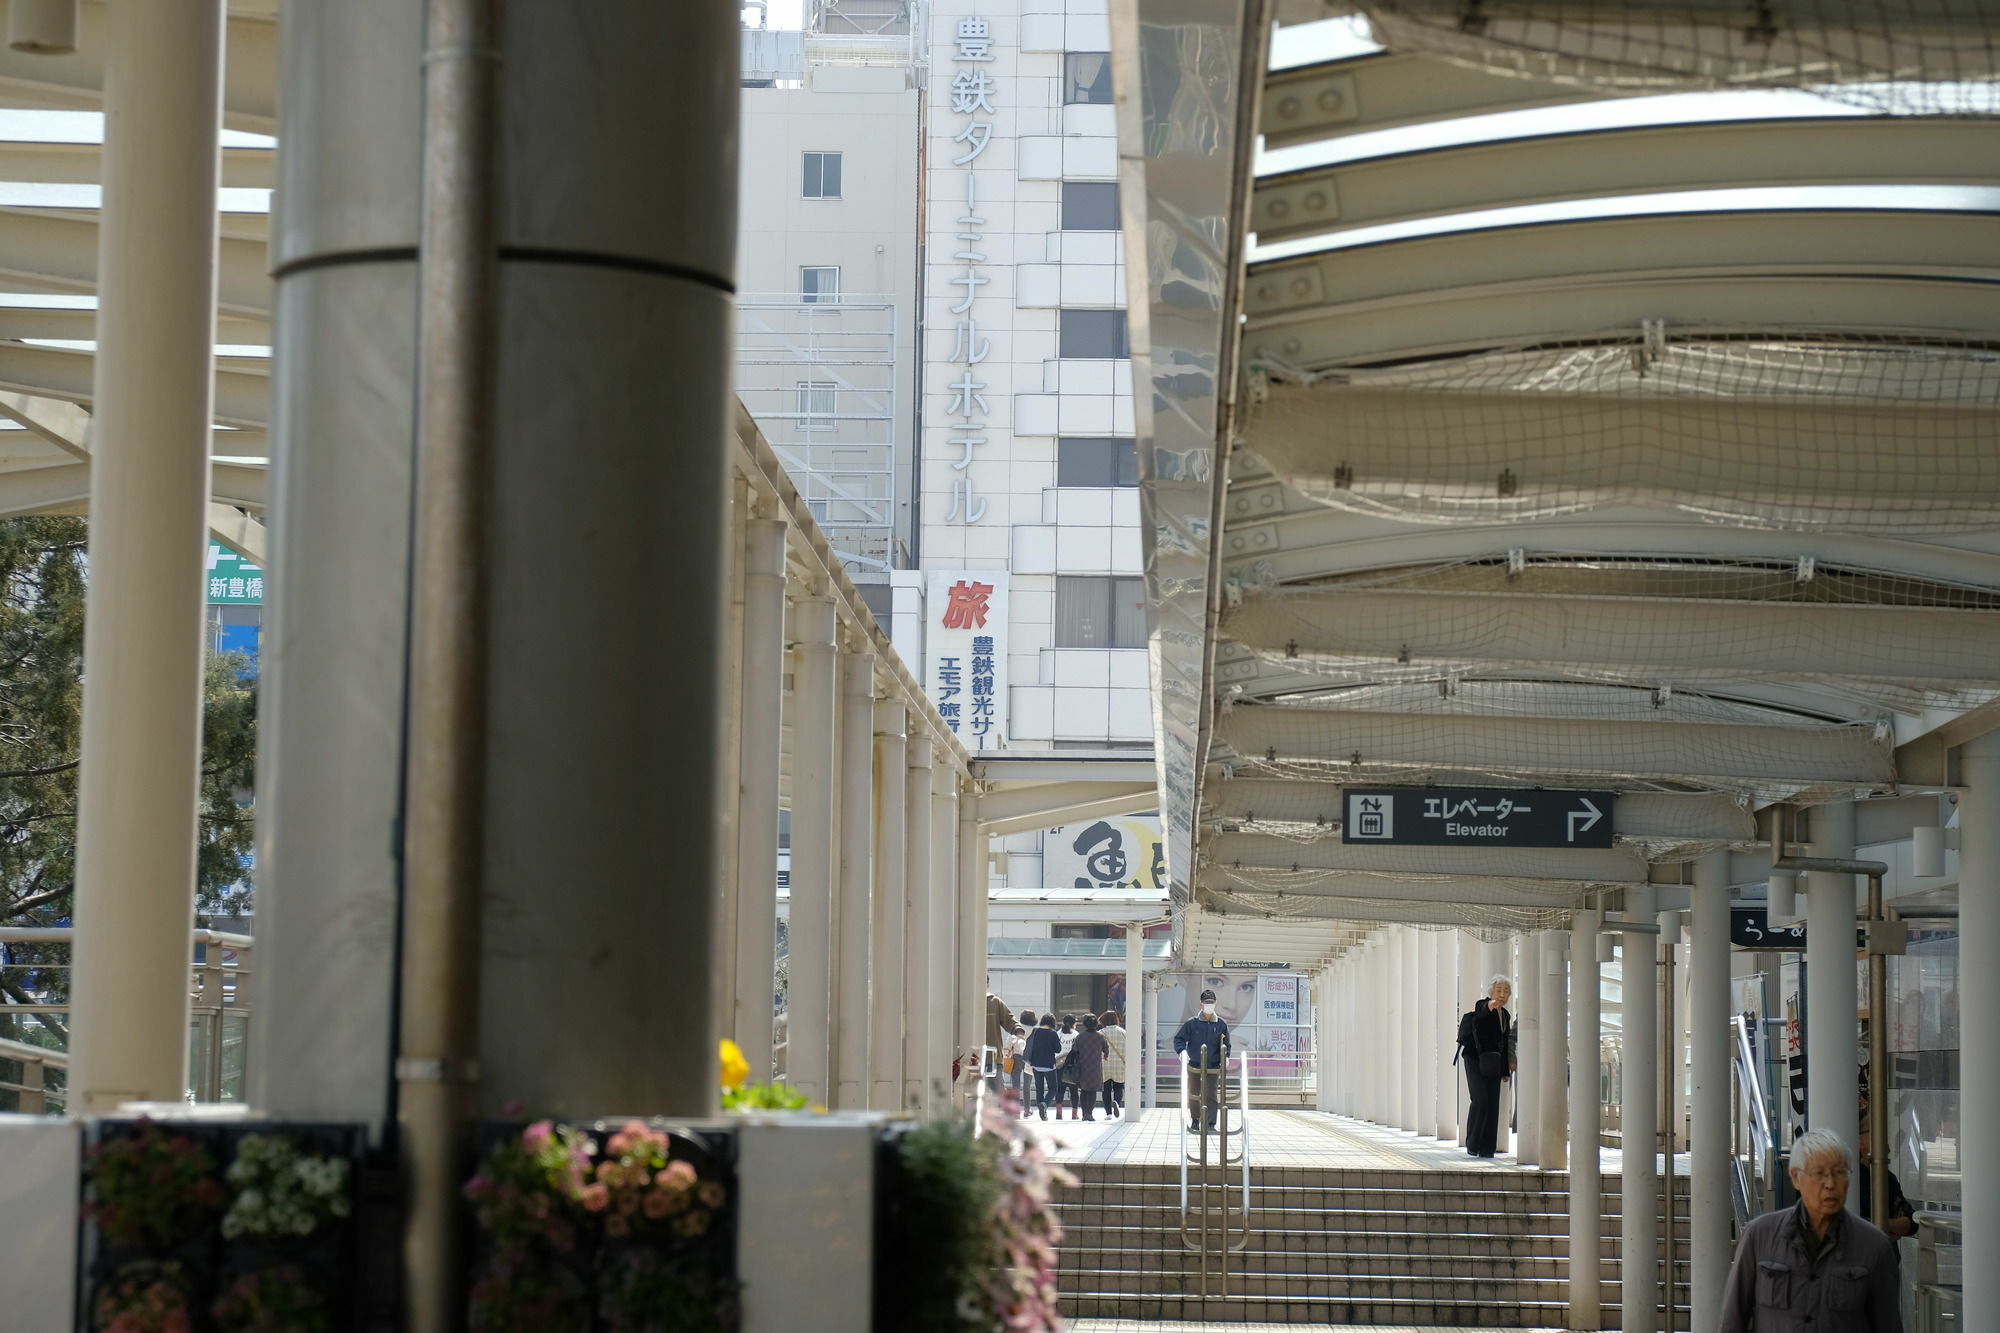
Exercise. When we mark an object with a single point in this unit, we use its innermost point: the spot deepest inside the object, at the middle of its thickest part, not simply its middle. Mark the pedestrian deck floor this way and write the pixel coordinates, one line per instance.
(1281, 1138)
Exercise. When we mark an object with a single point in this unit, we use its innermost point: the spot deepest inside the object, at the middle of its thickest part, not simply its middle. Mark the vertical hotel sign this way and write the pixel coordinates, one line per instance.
(972, 88)
(965, 653)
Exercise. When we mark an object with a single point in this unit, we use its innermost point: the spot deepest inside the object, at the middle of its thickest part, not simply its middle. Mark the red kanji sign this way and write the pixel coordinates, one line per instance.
(966, 608)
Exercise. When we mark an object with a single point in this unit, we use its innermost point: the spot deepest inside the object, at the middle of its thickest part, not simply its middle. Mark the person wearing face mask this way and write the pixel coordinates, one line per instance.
(1204, 1039)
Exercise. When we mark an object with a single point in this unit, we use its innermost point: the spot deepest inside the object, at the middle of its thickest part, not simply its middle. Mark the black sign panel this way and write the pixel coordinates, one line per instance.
(1751, 928)
(1476, 817)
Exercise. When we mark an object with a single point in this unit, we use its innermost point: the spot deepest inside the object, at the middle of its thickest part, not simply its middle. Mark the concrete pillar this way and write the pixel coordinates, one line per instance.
(1449, 1079)
(1585, 1178)
(1708, 1001)
(888, 910)
(854, 896)
(1554, 1067)
(760, 746)
(1152, 1046)
(330, 704)
(944, 934)
(1833, 1047)
(971, 939)
(1639, 1117)
(1527, 1080)
(1979, 990)
(729, 764)
(1431, 1047)
(142, 668)
(917, 1015)
(1396, 1023)
(1135, 981)
(601, 715)
(815, 686)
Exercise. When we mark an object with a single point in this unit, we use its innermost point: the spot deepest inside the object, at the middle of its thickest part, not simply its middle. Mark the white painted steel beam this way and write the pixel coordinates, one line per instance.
(65, 488)
(1025, 809)
(1338, 886)
(1665, 638)
(57, 250)
(1600, 163)
(56, 372)
(1748, 243)
(1614, 750)
(1378, 92)
(40, 162)
(1693, 816)
(1478, 317)
(993, 768)
(1611, 865)
(1235, 909)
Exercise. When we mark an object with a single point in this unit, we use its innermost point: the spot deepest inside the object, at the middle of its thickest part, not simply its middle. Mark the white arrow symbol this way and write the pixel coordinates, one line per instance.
(1589, 821)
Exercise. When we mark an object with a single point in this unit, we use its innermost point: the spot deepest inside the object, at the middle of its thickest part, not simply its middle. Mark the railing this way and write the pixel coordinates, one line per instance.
(1753, 1144)
(1207, 1220)
(36, 1062)
(1940, 1274)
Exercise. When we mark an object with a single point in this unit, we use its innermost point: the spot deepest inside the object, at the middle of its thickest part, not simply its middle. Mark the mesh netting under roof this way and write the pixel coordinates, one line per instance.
(1484, 920)
(1757, 429)
(1901, 56)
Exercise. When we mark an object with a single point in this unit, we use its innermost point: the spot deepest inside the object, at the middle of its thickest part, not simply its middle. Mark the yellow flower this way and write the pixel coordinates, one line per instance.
(734, 1067)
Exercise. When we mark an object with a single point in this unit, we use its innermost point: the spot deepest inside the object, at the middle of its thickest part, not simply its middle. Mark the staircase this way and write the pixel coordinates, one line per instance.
(1482, 1249)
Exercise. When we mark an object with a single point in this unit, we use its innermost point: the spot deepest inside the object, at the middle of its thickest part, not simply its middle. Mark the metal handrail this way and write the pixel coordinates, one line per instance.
(1751, 1118)
(1195, 1223)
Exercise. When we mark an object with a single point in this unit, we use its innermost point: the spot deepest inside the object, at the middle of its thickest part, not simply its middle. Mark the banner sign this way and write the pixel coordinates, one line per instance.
(965, 653)
(232, 580)
(1128, 853)
(1477, 817)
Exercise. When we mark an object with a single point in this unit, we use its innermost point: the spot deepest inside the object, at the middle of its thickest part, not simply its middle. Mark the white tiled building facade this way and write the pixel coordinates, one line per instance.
(1027, 468)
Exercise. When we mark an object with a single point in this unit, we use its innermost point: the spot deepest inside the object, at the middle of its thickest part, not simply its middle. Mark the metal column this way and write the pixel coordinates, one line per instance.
(815, 686)
(1833, 1047)
(1553, 1070)
(944, 937)
(853, 898)
(1533, 1055)
(1396, 1026)
(1135, 981)
(917, 821)
(888, 910)
(1639, 1117)
(972, 857)
(1585, 1183)
(1708, 1001)
(761, 757)
(1151, 1046)
(1448, 1077)
(1432, 1046)
(1979, 983)
(142, 666)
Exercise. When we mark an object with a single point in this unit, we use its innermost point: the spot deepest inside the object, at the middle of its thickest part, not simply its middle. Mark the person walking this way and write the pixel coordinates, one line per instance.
(1015, 1062)
(1814, 1267)
(1114, 1063)
(1044, 1049)
(1086, 1056)
(1204, 1040)
(999, 1025)
(1067, 1102)
(1486, 1037)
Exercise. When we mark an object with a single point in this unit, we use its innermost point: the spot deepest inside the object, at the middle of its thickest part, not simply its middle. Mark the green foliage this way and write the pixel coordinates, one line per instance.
(763, 1097)
(938, 1229)
(150, 1189)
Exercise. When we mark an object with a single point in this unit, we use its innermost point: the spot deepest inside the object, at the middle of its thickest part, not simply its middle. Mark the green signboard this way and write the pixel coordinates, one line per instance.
(232, 580)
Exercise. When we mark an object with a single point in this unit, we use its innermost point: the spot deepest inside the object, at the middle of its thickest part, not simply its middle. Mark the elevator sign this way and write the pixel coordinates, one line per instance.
(1476, 817)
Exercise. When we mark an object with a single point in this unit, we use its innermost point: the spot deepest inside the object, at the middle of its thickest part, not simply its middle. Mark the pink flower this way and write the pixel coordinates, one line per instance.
(595, 1197)
(617, 1144)
(680, 1174)
(693, 1224)
(478, 1187)
(655, 1205)
(609, 1173)
(712, 1194)
(537, 1134)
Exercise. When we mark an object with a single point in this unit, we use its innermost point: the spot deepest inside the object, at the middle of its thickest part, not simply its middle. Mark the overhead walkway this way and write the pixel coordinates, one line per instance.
(1575, 399)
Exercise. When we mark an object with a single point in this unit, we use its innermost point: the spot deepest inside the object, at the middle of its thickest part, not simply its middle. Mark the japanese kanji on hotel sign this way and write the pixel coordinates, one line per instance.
(1476, 817)
(965, 653)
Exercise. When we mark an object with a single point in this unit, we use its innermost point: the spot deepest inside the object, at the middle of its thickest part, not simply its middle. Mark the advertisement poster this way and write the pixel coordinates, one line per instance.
(965, 653)
(1791, 1008)
(1128, 852)
(1268, 1012)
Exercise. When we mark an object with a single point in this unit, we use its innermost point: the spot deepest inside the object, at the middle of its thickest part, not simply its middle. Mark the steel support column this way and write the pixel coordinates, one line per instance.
(1639, 1118)
(815, 709)
(853, 898)
(1528, 1079)
(1979, 982)
(971, 936)
(917, 821)
(1709, 1130)
(761, 757)
(1445, 1110)
(1585, 1183)
(142, 692)
(1396, 1024)
(943, 938)
(1554, 1067)
(1833, 1047)
(888, 910)
(1432, 1046)
(1135, 980)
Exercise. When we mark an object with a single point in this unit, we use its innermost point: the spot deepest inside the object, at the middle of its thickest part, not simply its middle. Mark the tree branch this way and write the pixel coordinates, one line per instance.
(23, 906)
(19, 996)
(39, 772)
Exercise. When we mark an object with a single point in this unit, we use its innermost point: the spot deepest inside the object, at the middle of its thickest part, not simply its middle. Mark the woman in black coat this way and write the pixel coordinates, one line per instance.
(1487, 1050)
(1043, 1050)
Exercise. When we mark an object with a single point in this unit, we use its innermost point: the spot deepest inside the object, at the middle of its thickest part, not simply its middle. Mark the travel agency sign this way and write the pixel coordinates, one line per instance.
(965, 653)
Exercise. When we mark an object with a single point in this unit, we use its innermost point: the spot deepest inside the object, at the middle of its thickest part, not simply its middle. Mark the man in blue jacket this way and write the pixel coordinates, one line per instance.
(1204, 1040)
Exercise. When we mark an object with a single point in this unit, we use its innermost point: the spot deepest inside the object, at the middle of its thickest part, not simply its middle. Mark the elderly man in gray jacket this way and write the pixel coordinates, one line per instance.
(1814, 1268)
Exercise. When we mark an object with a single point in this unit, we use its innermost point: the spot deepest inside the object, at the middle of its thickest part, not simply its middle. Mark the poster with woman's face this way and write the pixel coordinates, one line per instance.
(1235, 997)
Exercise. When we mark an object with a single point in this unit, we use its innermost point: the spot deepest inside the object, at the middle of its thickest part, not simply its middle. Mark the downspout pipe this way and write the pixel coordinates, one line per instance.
(437, 1069)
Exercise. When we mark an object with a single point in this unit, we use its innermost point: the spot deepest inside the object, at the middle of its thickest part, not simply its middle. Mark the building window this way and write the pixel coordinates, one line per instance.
(1093, 334)
(1089, 206)
(819, 286)
(818, 400)
(1087, 77)
(1100, 613)
(822, 176)
(1091, 460)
